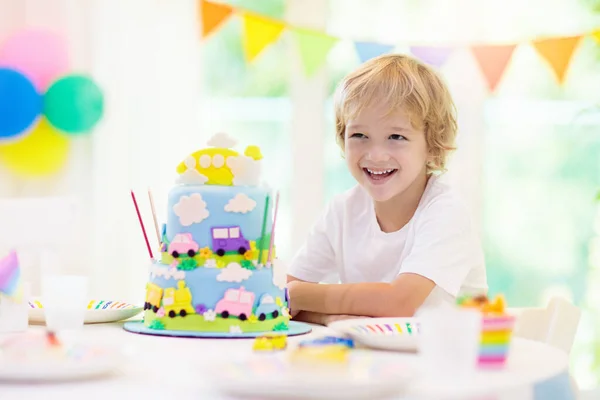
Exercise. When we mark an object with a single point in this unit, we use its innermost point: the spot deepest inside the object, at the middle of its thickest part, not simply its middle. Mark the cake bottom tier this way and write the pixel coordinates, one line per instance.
(231, 299)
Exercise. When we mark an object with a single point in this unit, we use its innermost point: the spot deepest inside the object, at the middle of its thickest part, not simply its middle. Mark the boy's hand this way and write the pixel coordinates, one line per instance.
(328, 319)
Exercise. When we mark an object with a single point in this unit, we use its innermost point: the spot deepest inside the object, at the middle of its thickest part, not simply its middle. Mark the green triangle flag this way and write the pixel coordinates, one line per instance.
(314, 47)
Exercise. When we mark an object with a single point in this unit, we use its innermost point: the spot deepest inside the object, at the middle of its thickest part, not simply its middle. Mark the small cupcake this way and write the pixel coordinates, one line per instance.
(496, 330)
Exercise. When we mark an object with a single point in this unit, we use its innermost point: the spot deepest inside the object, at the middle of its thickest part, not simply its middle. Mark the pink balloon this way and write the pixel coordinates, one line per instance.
(41, 56)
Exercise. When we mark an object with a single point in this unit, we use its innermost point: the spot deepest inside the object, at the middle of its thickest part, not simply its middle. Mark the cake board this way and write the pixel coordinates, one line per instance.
(294, 329)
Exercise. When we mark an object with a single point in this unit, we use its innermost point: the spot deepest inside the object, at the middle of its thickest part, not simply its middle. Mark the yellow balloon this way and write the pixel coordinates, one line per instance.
(42, 152)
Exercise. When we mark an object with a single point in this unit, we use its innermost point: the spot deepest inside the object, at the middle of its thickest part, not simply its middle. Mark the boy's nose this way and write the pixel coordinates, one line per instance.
(377, 154)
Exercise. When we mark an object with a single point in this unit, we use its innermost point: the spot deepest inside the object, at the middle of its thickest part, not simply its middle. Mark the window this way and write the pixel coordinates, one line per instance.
(246, 298)
(251, 103)
(232, 295)
(528, 153)
(220, 233)
(234, 233)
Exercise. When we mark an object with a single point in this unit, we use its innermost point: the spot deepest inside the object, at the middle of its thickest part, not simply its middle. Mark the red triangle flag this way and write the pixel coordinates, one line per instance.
(493, 61)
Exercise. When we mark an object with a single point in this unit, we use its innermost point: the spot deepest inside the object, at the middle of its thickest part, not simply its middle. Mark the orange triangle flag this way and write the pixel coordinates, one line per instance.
(213, 15)
(493, 61)
(596, 35)
(558, 52)
(259, 32)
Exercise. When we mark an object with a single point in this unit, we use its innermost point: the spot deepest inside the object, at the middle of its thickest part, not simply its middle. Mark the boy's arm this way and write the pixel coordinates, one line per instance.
(400, 298)
(314, 317)
(305, 316)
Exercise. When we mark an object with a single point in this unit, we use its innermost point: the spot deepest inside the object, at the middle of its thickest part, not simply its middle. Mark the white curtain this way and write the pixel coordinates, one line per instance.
(144, 54)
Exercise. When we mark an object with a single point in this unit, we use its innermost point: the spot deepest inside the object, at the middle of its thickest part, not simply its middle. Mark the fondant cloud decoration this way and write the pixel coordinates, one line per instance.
(245, 170)
(234, 273)
(191, 209)
(279, 273)
(191, 176)
(241, 203)
(222, 140)
(167, 273)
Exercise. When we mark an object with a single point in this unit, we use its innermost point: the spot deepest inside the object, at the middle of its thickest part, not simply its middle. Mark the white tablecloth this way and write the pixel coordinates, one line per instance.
(171, 368)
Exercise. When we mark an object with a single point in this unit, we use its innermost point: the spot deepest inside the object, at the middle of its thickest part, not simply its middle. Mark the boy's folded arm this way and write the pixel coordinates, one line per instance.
(312, 317)
(401, 298)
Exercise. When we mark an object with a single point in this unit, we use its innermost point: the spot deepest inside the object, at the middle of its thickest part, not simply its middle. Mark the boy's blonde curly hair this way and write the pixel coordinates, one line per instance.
(401, 82)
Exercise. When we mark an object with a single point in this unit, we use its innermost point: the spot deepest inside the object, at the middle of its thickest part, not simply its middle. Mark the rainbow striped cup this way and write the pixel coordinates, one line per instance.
(496, 335)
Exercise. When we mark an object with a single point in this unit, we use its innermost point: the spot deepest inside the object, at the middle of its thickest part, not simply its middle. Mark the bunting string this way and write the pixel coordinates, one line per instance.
(259, 32)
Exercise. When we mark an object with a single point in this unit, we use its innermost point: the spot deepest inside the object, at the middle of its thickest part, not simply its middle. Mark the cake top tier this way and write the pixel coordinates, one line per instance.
(219, 164)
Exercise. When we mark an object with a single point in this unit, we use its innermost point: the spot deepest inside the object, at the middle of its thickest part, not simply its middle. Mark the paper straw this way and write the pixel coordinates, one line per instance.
(154, 215)
(142, 225)
(270, 254)
(262, 231)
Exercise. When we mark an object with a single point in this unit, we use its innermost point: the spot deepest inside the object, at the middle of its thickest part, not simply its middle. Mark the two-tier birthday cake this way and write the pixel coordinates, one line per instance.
(217, 270)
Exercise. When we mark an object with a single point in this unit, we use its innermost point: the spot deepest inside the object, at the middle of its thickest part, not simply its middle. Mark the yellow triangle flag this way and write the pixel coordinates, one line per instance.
(314, 47)
(558, 52)
(596, 35)
(259, 32)
(213, 14)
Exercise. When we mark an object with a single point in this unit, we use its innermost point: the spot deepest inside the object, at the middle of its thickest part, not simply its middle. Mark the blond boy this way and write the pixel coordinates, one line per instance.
(401, 238)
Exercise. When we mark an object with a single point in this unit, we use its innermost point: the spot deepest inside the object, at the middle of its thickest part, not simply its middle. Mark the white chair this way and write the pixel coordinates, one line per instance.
(556, 325)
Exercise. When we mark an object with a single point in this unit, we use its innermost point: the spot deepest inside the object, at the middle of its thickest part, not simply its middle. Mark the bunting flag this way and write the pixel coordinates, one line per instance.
(213, 15)
(314, 47)
(435, 56)
(558, 52)
(10, 274)
(368, 50)
(259, 32)
(493, 61)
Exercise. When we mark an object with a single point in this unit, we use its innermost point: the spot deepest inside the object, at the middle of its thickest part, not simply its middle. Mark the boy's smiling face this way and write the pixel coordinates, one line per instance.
(385, 153)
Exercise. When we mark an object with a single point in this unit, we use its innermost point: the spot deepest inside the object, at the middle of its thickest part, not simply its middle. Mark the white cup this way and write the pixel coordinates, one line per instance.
(65, 299)
(14, 312)
(449, 341)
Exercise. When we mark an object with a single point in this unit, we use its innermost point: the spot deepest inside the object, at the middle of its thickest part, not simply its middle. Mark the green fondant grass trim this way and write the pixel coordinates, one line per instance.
(195, 322)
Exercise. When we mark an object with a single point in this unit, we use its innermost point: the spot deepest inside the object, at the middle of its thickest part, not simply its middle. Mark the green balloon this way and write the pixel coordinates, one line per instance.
(74, 104)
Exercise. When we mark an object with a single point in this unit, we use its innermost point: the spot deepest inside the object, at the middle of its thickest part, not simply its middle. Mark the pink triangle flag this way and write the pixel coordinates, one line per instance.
(10, 274)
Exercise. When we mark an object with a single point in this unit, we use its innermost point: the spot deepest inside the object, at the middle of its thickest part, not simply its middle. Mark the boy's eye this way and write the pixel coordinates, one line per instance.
(397, 137)
(357, 135)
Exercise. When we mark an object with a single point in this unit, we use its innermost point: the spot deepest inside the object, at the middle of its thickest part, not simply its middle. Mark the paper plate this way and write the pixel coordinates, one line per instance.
(98, 311)
(26, 359)
(381, 333)
(368, 375)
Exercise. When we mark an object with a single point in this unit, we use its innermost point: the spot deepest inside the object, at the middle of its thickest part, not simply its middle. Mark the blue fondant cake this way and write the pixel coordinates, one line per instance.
(217, 271)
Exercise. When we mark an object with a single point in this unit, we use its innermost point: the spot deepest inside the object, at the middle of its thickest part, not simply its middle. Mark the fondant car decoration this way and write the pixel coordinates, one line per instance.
(266, 307)
(236, 302)
(270, 342)
(183, 243)
(178, 301)
(228, 239)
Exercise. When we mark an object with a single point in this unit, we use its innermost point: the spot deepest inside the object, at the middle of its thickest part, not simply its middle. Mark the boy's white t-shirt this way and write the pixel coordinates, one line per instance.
(439, 242)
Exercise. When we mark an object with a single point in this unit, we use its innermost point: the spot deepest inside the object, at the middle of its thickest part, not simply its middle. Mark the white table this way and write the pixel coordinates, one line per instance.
(170, 368)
